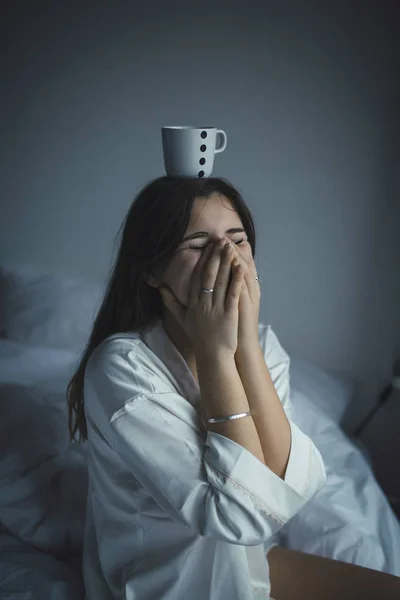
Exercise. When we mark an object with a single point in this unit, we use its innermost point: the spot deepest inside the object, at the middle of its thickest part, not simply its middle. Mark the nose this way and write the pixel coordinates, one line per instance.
(216, 239)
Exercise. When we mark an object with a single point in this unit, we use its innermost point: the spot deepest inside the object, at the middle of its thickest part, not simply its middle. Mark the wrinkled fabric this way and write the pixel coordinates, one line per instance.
(174, 510)
(350, 519)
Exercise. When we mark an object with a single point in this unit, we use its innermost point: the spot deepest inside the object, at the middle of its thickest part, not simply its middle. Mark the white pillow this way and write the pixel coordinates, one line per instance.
(328, 393)
(43, 478)
(47, 309)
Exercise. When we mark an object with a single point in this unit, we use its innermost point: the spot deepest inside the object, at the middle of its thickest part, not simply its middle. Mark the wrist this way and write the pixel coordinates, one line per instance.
(206, 354)
(248, 355)
(248, 345)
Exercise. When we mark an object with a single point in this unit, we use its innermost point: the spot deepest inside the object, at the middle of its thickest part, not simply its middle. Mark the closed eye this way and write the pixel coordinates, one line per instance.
(204, 247)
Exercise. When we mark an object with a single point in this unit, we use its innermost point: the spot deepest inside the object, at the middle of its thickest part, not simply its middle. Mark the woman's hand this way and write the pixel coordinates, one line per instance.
(249, 302)
(211, 320)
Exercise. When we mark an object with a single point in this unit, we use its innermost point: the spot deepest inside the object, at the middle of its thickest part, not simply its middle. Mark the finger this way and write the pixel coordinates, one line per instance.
(245, 254)
(196, 279)
(211, 269)
(251, 286)
(250, 269)
(223, 275)
(245, 296)
(235, 288)
(244, 249)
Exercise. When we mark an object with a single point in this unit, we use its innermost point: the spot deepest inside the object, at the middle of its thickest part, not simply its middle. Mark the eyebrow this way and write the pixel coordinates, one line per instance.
(205, 234)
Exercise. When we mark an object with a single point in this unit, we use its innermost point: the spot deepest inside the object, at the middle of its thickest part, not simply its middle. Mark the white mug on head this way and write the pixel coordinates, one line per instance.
(189, 151)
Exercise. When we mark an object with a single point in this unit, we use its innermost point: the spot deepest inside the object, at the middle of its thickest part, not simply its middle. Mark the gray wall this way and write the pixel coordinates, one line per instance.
(306, 94)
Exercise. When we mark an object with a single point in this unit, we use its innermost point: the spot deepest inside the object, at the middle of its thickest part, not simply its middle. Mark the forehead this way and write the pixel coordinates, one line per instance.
(216, 209)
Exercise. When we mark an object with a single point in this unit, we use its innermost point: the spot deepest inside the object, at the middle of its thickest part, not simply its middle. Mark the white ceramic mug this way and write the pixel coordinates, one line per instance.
(189, 151)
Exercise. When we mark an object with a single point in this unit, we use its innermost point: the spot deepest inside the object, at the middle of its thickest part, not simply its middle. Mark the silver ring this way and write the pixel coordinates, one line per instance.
(258, 279)
(207, 291)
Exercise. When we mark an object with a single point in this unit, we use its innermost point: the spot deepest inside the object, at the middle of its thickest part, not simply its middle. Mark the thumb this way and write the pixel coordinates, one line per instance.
(172, 303)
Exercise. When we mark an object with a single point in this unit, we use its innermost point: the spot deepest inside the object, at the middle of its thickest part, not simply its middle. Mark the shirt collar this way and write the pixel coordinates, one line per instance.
(157, 339)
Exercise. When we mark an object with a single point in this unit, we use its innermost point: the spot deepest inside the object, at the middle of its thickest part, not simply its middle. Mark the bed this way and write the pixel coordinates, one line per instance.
(44, 323)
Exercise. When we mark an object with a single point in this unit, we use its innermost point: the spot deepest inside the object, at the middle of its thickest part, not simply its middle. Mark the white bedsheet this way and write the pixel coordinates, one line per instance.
(43, 482)
(350, 519)
(26, 573)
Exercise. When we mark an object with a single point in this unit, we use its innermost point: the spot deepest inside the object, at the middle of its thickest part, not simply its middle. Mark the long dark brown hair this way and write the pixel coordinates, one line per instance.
(151, 232)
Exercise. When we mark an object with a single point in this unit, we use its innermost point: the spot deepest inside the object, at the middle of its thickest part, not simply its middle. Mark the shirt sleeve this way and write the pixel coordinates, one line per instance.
(278, 363)
(204, 481)
(305, 471)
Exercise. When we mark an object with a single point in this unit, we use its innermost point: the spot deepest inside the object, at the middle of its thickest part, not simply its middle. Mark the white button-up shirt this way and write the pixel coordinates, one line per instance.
(177, 512)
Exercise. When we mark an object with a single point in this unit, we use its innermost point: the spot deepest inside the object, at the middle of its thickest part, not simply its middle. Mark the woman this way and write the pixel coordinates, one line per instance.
(194, 462)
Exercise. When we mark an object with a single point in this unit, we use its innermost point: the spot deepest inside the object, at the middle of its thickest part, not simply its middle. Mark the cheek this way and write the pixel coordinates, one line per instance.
(246, 248)
(179, 272)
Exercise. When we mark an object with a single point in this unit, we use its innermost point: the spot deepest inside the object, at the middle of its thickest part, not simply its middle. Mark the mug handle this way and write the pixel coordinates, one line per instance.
(224, 141)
